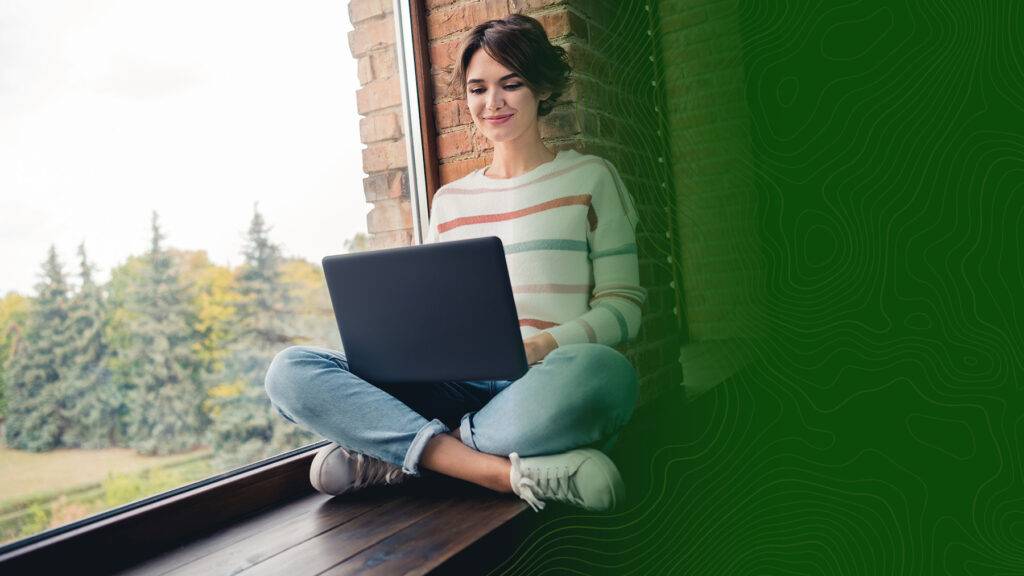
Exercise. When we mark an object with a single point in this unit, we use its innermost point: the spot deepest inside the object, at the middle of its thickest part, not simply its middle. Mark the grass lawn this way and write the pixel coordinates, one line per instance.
(26, 473)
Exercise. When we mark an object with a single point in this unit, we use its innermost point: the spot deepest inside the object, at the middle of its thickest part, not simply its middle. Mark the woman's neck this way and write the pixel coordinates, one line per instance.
(514, 158)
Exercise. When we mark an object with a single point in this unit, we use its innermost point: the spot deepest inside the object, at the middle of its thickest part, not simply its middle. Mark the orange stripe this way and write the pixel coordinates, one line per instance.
(582, 200)
(542, 324)
(580, 164)
(551, 289)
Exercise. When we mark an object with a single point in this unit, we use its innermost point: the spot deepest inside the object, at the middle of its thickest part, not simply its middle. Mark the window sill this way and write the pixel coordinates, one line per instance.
(127, 535)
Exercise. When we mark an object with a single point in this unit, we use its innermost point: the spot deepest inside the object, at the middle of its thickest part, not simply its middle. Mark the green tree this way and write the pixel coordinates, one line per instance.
(35, 394)
(215, 299)
(357, 243)
(94, 406)
(158, 366)
(14, 310)
(245, 429)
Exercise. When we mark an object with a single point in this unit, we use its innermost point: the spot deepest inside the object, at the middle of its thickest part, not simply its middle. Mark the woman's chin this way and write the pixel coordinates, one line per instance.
(496, 136)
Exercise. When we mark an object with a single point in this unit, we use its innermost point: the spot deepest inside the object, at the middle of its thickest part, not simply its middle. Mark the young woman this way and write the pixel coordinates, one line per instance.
(567, 225)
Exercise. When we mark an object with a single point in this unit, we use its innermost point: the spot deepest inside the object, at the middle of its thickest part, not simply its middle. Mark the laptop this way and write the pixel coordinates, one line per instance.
(429, 313)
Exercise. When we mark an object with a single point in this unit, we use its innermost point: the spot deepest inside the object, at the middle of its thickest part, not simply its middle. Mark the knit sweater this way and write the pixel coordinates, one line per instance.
(568, 231)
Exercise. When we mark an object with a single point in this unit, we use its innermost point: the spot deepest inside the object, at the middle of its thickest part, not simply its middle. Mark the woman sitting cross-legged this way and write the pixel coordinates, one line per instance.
(567, 224)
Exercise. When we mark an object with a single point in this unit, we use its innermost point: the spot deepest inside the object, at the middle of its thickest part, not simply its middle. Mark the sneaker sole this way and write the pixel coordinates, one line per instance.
(318, 465)
(619, 487)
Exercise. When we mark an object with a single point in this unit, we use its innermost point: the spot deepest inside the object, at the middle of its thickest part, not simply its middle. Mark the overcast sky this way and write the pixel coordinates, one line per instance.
(194, 108)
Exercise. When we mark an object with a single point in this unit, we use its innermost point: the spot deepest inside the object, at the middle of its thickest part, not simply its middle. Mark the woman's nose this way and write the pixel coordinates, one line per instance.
(494, 100)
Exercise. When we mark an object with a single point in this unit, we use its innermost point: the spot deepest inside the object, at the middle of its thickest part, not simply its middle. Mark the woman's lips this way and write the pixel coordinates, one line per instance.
(499, 119)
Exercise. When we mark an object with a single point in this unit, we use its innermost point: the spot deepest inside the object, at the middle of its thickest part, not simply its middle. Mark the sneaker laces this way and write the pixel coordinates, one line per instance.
(557, 486)
(371, 471)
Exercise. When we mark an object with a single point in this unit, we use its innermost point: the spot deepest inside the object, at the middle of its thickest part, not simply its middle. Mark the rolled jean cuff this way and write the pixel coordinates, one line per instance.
(466, 431)
(411, 465)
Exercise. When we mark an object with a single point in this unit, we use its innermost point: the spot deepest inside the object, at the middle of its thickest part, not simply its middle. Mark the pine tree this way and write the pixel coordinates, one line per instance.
(245, 428)
(13, 314)
(94, 405)
(35, 391)
(158, 366)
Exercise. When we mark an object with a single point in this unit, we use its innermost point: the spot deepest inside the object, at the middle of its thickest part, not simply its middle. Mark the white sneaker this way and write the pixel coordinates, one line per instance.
(584, 477)
(336, 470)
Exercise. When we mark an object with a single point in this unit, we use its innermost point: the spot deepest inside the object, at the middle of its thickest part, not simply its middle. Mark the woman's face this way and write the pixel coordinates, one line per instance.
(502, 106)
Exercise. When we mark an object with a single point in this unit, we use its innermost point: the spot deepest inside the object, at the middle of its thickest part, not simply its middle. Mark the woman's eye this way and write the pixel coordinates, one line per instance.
(477, 91)
(512, 86)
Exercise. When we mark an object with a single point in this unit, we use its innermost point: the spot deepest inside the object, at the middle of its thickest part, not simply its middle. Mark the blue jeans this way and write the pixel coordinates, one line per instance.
(580, 395)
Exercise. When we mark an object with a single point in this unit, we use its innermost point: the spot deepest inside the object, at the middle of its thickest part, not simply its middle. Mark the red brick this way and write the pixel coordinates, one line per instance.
(480, 142)
(462, 18)
(442, 55)
(439, 84)
(383, 185)
(384, 65)
(384, 156)
(378, 95)
(371, 34)
(359, 10)
(451, 171)
(454, 144)
(451, 114)
(392, 239)
(529, 5)
(581, 58)
(443, 22)
(561, 123)
(364, 70)
(379, 127)
(563, 23)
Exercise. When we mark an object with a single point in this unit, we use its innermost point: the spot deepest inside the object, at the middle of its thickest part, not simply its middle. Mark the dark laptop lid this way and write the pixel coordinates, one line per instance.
(428, 313)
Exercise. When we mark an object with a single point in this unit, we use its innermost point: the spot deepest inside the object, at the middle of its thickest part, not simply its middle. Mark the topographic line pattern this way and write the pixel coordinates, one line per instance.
(876, 426)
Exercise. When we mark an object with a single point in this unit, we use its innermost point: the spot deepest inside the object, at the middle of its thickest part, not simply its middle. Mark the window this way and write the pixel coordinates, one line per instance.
(172, 175)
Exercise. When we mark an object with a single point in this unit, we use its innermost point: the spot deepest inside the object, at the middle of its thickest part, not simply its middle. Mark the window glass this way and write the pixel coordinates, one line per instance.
(171, 175)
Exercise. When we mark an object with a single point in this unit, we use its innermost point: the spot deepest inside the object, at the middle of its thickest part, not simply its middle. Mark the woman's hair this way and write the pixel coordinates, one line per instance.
(520, 44)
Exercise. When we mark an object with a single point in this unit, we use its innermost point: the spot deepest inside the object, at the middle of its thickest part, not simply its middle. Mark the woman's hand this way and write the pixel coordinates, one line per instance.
(538, 346)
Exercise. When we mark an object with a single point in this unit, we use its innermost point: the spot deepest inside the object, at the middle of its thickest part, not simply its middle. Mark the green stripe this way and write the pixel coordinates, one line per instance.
(624, 249)
(623, 327)
(571, 245)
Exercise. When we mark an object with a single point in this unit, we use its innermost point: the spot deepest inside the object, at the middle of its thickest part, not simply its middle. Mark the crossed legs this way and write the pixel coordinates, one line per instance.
(581, 395)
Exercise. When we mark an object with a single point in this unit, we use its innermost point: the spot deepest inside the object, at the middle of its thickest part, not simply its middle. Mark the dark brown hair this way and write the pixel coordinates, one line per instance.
(520, 44)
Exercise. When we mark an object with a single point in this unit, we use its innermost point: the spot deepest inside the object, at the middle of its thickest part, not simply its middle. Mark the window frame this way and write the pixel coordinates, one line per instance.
(131, 533)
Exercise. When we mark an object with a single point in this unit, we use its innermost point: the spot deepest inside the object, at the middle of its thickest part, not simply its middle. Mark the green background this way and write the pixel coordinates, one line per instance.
(876, 424)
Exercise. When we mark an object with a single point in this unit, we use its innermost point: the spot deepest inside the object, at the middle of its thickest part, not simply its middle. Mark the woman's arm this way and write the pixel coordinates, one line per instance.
(538, 346)
(617, 297)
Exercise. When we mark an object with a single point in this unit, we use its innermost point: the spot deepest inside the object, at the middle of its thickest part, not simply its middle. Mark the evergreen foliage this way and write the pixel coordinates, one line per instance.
(13, 313)
(167, 356)
(245, 429)
(35, 393)
(158, 367)
(94, 405)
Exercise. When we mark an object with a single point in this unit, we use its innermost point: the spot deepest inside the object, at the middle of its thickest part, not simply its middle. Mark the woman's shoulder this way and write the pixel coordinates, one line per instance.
(467, 181)
(589, 167)
(583, 161)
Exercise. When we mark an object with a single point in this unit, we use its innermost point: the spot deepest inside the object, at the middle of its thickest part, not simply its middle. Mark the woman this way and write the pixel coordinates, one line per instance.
(567, 225)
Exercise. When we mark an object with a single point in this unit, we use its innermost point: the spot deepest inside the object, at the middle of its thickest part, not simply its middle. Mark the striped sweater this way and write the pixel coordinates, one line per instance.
(568, 231)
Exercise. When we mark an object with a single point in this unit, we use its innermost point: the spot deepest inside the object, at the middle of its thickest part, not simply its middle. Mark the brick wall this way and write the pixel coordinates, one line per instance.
(379, 103)
(613, 60)
(711, 163)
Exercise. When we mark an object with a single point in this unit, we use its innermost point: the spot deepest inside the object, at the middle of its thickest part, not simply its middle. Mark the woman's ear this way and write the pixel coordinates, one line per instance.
(544, 96)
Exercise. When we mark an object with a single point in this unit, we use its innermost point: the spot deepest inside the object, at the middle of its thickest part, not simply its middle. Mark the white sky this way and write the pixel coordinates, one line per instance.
(194, 108)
